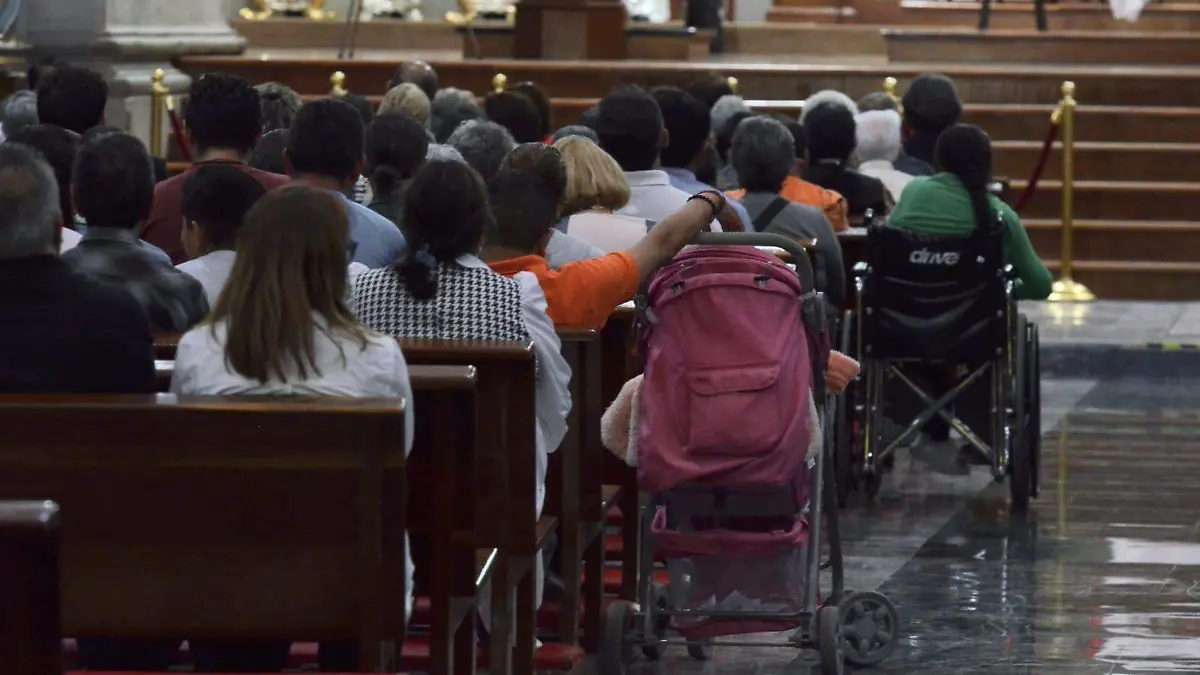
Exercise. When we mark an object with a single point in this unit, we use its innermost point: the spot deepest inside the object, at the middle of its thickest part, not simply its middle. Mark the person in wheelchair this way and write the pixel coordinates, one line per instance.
(936, 326)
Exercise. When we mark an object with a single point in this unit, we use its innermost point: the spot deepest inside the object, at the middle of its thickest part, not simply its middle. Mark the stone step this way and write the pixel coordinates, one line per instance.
(1174, 16)
(1123, 280)
(1103, 161)
(1118, 240)
(806, 13)
(954, 45)
(1129, 123)
(1114, 200)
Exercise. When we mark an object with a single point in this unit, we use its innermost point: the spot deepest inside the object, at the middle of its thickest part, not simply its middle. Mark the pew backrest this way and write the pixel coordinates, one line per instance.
(30, 634)
(218, 517)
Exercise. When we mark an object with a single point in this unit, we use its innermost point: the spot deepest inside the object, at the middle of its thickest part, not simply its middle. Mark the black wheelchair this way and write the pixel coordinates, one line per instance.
(935, 321)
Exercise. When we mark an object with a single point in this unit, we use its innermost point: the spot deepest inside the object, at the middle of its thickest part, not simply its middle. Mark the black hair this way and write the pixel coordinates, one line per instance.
(326, 139)
(278, 106)
(799, 139)
(877, 100)
(725, 136)
(544, 163)
(931, 104)
(217, 198)
(268, 154)
(708, 90)
(831, 133)
(629, 126)
(523, 210)
(538, 96)
(40, 68)
(223, 111)
(687, 122)
(114, 181)
(365, 110)
(517, 113)
(449, 113)
(98, 132)
(58, 147)
(966, 151)
(590, 117)
(395, 150)
(445, 215)
(72, 98)
(419, 73)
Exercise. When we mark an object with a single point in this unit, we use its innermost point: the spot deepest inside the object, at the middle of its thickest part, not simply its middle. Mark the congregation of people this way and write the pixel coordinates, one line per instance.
(306, 238)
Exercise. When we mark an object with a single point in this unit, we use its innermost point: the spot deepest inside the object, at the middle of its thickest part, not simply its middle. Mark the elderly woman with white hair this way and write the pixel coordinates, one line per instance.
(762, 155)
(878, 134)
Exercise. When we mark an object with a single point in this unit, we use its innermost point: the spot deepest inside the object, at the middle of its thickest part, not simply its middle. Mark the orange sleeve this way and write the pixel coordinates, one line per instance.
(836, 211)
(587, 291)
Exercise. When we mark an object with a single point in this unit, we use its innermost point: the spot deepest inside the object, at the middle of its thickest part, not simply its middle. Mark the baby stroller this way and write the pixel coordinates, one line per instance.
(732, 463)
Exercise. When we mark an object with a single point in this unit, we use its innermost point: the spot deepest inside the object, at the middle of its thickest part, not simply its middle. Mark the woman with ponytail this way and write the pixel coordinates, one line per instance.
(441, 290)
(395, 149)
(955, 201)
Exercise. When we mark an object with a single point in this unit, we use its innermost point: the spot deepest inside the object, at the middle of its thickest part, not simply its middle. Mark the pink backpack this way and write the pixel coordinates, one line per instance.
(730, 341)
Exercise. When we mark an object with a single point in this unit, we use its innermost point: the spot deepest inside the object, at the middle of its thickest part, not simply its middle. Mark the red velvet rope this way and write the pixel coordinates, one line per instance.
(1031, 187)
(177, 128)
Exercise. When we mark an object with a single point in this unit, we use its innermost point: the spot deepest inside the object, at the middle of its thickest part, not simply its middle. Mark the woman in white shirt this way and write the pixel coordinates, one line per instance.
(596, 187)
(281, 325)
(441, 289)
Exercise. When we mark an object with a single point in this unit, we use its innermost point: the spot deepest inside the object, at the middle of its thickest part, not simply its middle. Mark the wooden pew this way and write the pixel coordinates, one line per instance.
(220, 518)
(505, 463)
(30, 637)
(450, 569)
(579, 494)
(618, 348)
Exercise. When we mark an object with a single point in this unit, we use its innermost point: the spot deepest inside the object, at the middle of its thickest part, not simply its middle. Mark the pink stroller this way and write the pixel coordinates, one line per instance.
(732, 448)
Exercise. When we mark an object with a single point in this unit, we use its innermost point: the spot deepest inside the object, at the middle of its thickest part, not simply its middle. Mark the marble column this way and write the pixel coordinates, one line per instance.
(126, 40)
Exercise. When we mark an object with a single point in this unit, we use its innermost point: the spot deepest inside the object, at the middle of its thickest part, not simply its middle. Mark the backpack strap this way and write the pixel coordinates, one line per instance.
(769, 214)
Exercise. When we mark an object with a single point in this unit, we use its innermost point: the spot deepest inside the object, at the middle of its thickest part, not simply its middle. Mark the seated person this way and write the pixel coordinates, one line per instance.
(596, 189)
(325, 151)
(762, 156)
(831, 133)
(582, 293)
(798, 190)
(283, 328)
(214, 200)
(395, 148)
(956, 201)
(516, 112)
(930, 106)
(546, 164)
(442, 290)
(483, 144)
(878, 133)
(58, 147)
(114, 192)
(63, 333)
(726, 177)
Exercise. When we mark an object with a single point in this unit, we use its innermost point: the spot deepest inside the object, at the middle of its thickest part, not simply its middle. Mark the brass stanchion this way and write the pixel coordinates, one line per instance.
(158, 110)
(734, 85)
(338, 82)
(499, 83)
(1066, 289)
(889, 88)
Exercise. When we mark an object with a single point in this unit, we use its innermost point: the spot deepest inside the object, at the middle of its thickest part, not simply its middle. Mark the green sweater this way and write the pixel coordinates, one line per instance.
(940, 205)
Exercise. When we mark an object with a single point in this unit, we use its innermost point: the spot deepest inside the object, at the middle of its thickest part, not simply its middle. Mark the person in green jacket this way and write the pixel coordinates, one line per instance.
(956, 200)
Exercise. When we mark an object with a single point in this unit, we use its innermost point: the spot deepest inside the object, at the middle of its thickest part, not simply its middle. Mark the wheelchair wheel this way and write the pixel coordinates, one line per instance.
(654, 650)
(845, 424)
(1033, 437)
(700, 650)
(1019, 463)
(616, 650)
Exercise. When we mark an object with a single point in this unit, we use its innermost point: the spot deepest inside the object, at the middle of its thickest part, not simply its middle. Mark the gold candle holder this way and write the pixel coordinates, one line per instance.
(338, 84)
(316, 11)
(158, 110)
(1066, 289)
(257, 11)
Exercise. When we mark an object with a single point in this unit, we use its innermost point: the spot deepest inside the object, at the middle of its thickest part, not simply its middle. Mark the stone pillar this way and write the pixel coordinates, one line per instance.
(126, 40)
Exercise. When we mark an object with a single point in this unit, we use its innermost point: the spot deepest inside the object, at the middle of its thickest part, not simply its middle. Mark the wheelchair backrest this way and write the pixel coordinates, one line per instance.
(934, 297)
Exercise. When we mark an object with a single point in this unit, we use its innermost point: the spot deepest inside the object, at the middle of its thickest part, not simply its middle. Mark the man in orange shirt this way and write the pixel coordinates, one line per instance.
(586, 292)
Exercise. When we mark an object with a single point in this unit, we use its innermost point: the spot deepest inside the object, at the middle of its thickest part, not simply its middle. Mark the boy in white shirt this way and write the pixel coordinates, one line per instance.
(215, 200)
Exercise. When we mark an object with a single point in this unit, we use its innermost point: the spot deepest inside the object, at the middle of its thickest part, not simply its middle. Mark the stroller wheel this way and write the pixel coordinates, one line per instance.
(701, 651)
(870, 626)
(617, 648)
(829, 629)
(660, 621)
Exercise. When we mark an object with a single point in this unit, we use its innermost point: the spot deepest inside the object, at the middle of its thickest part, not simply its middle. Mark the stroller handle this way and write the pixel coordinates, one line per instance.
(799, 256)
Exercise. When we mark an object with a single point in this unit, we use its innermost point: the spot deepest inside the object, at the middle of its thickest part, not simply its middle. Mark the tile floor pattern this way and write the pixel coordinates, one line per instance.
(1101, 578)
